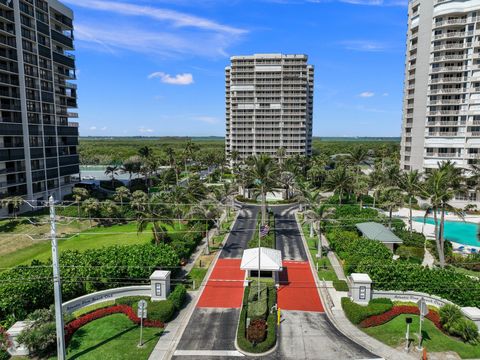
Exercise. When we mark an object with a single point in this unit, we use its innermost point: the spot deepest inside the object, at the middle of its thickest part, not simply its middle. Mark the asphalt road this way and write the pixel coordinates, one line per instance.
(241, 233)
(288, 238)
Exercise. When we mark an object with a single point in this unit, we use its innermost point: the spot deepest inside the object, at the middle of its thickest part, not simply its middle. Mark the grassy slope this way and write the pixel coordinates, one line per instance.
(113, 337)
(393, 334)
(125, 234)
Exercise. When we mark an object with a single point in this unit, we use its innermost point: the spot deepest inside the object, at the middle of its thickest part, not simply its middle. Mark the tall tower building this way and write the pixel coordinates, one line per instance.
(269, 105)
(38, 143)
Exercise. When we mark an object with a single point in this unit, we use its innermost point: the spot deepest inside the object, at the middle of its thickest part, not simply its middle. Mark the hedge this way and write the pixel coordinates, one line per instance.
(162, 310)
(357, 313)
(83, 272)
(177, 296)
(340, 285)
(271, 338)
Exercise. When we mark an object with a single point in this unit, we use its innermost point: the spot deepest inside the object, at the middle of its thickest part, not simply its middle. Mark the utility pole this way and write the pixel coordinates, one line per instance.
(57, 286)
(259, 253)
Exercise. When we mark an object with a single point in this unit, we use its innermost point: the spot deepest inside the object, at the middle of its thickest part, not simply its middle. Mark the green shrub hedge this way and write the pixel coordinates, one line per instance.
(411, 252)
(162, 310)
(340, 285)
(177, 296)
(454, 323)
(271, 338)
(357, 313)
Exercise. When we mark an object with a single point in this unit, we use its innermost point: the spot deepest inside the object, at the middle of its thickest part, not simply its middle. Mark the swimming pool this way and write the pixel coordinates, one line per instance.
(457, 231)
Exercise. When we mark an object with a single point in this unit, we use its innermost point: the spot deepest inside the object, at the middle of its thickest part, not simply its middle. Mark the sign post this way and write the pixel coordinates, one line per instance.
(422, 306)
(408, 320)
(141, 313)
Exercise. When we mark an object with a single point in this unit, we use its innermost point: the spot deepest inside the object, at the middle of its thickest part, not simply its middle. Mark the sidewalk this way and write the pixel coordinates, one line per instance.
(171, 333)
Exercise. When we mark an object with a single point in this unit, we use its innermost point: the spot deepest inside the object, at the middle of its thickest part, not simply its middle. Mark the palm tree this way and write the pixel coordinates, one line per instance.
(305, 195)
(314, 217)
(439, 188)
(392, 199)
(172, 161)
(131, 166)
(376, 181)
(110, 208)
(339, 181)
(91, 207)
(139, 201)
(122, 193)
(223, 193)
(360, 188)
(357, 157)
(79, 194)
(409, 182)
(188, 153)
(281, 153)
(287, 179)
(207, 211)
(112, 171)
(145, 152)
(15, 202)
(158, 215)
(263, 173)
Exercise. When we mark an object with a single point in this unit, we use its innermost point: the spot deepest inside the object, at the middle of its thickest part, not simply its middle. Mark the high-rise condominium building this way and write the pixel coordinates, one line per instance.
(269, 105)
(38, 144)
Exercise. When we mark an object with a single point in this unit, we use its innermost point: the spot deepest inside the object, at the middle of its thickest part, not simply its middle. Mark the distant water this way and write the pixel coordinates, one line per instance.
(457, 231)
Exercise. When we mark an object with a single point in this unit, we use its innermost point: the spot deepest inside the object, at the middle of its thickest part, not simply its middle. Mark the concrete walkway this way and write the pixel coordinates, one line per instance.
(428, 259)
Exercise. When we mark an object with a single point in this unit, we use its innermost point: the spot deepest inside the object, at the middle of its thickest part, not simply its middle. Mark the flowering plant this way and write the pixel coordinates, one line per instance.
(76, 324)
(376, 320)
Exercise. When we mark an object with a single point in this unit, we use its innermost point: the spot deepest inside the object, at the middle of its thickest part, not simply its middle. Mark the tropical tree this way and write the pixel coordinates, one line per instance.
(15, 202)
(131, 166)
(314, 216)
(357, 157)
(122, 193)
(207, 211)
(440, 187)
(171, 156)
(376, 182)
(112, 171)
(109, 208)
(158, 215)
(339, 181)
(145, 152)
(139, 201)
(188, 152)
(281, 153)
(360, 188)
(410, 182)
(287, 180)
(306, 196)
(79, 194)
(91, 206)
(224, 193)
(262, 172)
(391, 199)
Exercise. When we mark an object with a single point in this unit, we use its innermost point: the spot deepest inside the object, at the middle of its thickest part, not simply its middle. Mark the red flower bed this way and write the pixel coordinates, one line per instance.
(76, 324)
(376, 320)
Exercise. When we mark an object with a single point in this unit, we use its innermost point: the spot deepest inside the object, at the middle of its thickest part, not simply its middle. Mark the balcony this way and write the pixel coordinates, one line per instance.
(448, 80)
(450, 21)
(455, 34)
(61, 38)
(448, 69)
(473, 134)
(447, 102)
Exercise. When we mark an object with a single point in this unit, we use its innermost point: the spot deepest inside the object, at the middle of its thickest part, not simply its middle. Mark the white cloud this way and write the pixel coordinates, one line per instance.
(366, 94)
(145, 130)
(93, 128)
(179, 79)
(178, 19)
(385, 94)
(104, 128)
(206, 119)
(364, 45)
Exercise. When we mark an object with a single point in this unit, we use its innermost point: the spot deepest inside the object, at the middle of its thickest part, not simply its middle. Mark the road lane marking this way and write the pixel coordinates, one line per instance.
(232, 353)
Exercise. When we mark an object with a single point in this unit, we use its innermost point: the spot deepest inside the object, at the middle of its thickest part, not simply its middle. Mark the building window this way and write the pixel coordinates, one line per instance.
(158, 289)
(363, 292)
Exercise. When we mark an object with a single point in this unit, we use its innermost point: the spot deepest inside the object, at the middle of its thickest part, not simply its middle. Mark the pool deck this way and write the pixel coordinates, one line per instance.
(429, 229)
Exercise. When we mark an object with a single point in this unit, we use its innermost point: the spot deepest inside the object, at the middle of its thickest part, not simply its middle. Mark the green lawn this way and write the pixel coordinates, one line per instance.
(325, 269)
(97, 237)
(113, 337)
(393, 334)
(197, 275)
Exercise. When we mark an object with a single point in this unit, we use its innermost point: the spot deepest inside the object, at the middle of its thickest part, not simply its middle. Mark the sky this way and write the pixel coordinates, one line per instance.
(156, 67)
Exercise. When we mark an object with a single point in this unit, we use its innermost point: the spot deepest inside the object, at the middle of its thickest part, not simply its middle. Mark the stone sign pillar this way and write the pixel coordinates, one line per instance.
(360, 288)
(160, 283)
(15, 348)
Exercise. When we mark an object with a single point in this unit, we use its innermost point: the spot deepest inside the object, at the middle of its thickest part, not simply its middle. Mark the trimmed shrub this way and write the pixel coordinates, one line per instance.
(130, 300)
(162, 310)
(411, 239)
(449, 315)
(465, 329)
(177, 296)
(411, 252)
(357, 313)
(340, 285)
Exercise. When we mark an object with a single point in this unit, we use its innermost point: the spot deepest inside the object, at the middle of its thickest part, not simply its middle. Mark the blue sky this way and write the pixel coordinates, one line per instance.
(156, 67)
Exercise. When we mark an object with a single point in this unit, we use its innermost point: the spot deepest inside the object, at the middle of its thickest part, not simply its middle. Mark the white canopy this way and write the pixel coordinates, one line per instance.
(270, 259)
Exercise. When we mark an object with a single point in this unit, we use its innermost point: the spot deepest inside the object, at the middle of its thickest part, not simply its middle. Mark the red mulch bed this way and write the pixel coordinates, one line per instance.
(76, 324)
(376, 320)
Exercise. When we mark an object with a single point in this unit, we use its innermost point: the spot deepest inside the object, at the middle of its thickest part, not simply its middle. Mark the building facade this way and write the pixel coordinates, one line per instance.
(269, 105)
(38, 143)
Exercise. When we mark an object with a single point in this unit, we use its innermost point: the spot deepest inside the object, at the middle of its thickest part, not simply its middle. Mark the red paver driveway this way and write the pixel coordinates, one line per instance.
(224, 288)
(298, 290)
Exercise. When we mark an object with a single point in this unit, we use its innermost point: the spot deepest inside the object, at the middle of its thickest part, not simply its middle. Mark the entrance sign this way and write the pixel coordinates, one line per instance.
(422, 306)
(142, 314)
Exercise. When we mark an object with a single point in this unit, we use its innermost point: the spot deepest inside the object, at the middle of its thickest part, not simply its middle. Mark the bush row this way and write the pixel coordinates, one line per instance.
(340, 285)
(76, 324)
(357, 313)
(82, 273)
(380, 319)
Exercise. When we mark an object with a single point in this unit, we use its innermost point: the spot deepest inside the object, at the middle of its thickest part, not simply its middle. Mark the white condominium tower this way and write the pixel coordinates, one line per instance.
(38, 143)
(441, 113)
(269, 105)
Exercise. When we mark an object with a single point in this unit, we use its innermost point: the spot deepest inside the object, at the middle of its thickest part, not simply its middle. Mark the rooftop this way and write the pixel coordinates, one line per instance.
(270, 259)
(376, 231)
